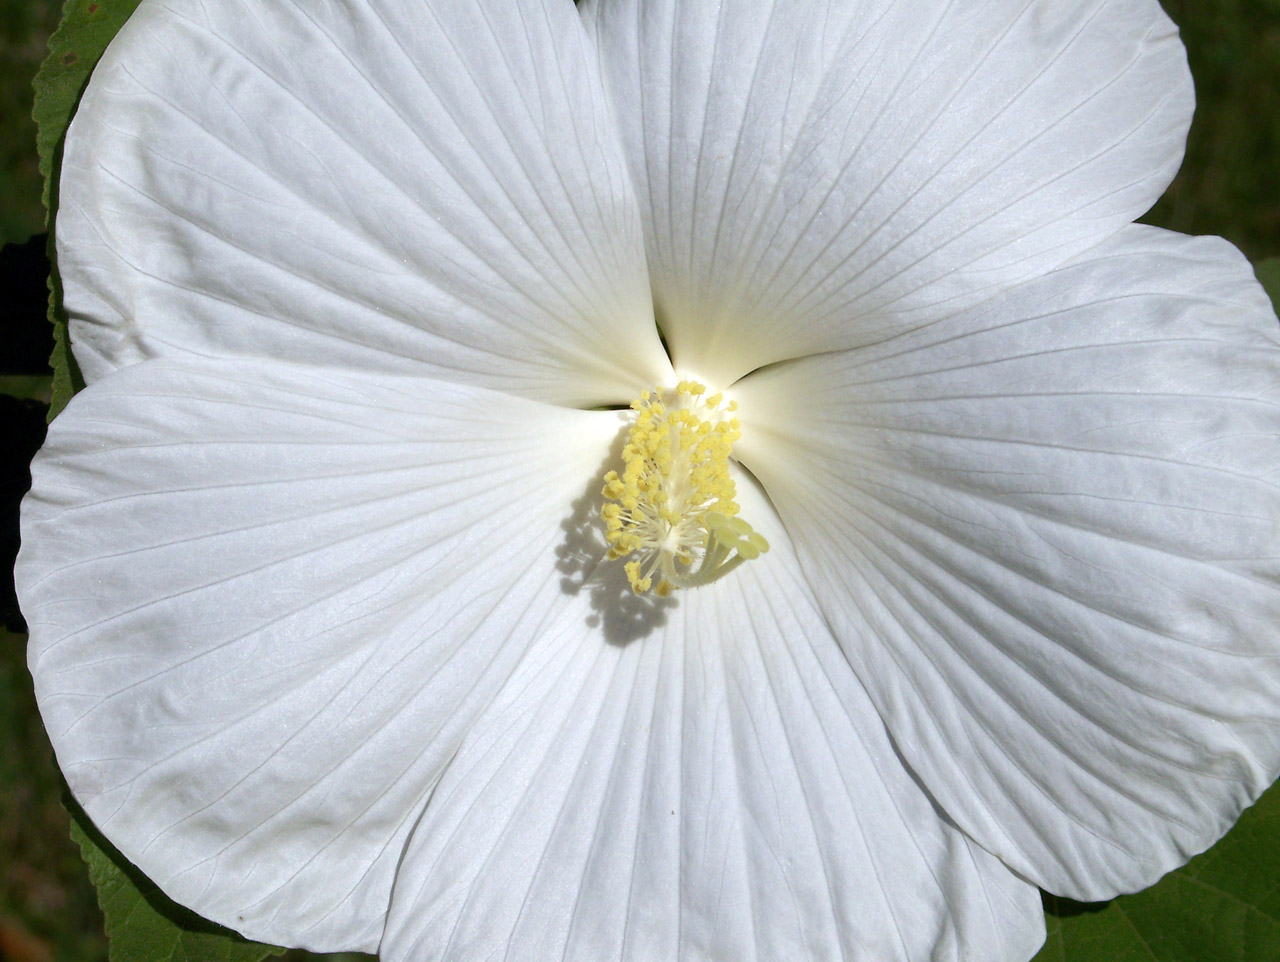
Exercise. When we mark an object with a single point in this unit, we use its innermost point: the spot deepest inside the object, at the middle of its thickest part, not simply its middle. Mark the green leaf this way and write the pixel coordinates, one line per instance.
(144, 925)
(1268, 272)
(75, 47)
(1222, 906)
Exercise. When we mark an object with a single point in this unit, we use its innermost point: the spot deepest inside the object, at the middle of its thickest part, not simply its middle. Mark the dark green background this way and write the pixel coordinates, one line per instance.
(1227, 186)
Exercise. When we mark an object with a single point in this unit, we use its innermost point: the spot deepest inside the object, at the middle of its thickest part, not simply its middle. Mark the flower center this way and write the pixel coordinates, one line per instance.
(672, 509)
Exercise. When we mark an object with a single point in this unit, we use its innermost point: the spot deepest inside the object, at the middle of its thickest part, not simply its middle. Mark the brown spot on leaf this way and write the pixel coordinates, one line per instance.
(69, 58)
(93, 8)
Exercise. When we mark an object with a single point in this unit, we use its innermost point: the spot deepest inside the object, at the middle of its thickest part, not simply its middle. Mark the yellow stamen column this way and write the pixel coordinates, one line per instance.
(672, 508)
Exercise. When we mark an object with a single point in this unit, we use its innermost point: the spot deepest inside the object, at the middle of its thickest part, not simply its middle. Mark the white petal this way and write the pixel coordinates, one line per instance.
(267, 603)
(387, 185)
(801, 164)
(1046, 534)
(707, 781)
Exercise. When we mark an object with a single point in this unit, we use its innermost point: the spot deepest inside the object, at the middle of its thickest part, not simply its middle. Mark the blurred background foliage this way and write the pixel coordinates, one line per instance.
(25, 26)
(1227, 184)
(47, 907)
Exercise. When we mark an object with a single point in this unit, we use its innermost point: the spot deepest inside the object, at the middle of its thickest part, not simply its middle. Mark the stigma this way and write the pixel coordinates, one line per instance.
(672, 511)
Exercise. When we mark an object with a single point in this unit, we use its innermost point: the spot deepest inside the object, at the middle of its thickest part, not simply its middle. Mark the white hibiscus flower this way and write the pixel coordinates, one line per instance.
(321, 626)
